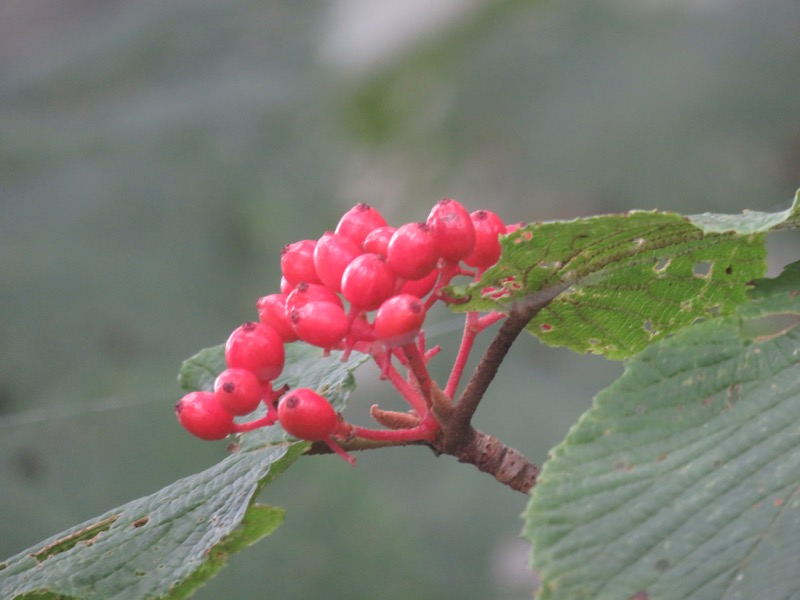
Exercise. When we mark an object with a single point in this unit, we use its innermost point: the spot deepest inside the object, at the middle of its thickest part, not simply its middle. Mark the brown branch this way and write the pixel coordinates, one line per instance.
(518, 318)
(457, 437)
(504, 463)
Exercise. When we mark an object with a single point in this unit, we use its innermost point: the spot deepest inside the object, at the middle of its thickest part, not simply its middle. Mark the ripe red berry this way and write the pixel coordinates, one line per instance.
(377, 240)
(238, 391)
(202, 415)
(412, 252)
(322, 324)
(310, 292)
(272, 312)
(452, 229)
(257, 348)
(367, 281)
(399, 319)
(332, 254)
(297, 262)
(488, 228)
(421, 287)
(357, 222)
(305, 414)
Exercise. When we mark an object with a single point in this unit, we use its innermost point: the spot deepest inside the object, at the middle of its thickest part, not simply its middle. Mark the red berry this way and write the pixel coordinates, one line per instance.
(488, 228)
(399, 319)
(310, 292)
(202, 415)
(297, 262)
(452, 229)
(421, 287)
(413, 252)
(238, 391)
(332, 254)
(286, 287)
(368, 281)
(321, 324)
(357, 222)
(305, 414)
(257, 348)
(377, 241)
(272, 312)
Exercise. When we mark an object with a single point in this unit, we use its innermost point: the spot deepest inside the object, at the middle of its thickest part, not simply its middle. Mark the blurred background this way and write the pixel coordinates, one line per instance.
(155, 157)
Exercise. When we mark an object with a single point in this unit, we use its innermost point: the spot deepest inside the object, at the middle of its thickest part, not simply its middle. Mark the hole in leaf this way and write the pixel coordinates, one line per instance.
(650, 328)
(734, 393)
(703, 268)
(85, 535)
(662, 264)
(729, 270)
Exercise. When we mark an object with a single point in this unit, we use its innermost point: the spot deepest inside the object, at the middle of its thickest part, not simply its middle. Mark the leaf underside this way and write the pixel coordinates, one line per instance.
(168, 544)
(621, 282)
(683, 480)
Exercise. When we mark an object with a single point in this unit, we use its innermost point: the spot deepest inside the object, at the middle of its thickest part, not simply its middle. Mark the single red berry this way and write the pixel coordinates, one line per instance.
(413, 252)
(310, 292)
(399, 320)
(367, 281)
(286, 287)
(377, 240)
(297, 262)
(452, 229)
(322, 324)
(257, 348)
(202, 415)
(357, 222)
(272, 312)
(304, 414)
(238, 391)
(488, 228)
(332, 254)
(421, 287)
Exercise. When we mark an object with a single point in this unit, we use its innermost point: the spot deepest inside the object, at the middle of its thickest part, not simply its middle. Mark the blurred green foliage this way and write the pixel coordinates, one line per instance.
(155, 157)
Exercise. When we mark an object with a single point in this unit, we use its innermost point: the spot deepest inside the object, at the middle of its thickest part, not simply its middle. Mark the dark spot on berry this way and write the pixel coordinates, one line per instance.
(249, 326)
(291, 401)
(415, 307)
(480, 215)
(229, 387)
(302, 286)
(179, 407)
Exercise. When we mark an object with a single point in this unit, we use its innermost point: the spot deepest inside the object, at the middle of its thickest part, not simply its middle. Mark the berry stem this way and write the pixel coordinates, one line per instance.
(414, 399)
(519, 316)
(473, 325)
(419, 370)
(265, 421)
(422, 432)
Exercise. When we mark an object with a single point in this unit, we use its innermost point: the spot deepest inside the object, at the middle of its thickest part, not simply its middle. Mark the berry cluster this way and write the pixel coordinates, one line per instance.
(364, 287)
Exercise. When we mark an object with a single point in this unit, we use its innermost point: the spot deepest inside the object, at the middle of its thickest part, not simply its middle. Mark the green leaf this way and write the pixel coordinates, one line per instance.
(168, 544)
(621, 282)
(682, 480)
(160, 546)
